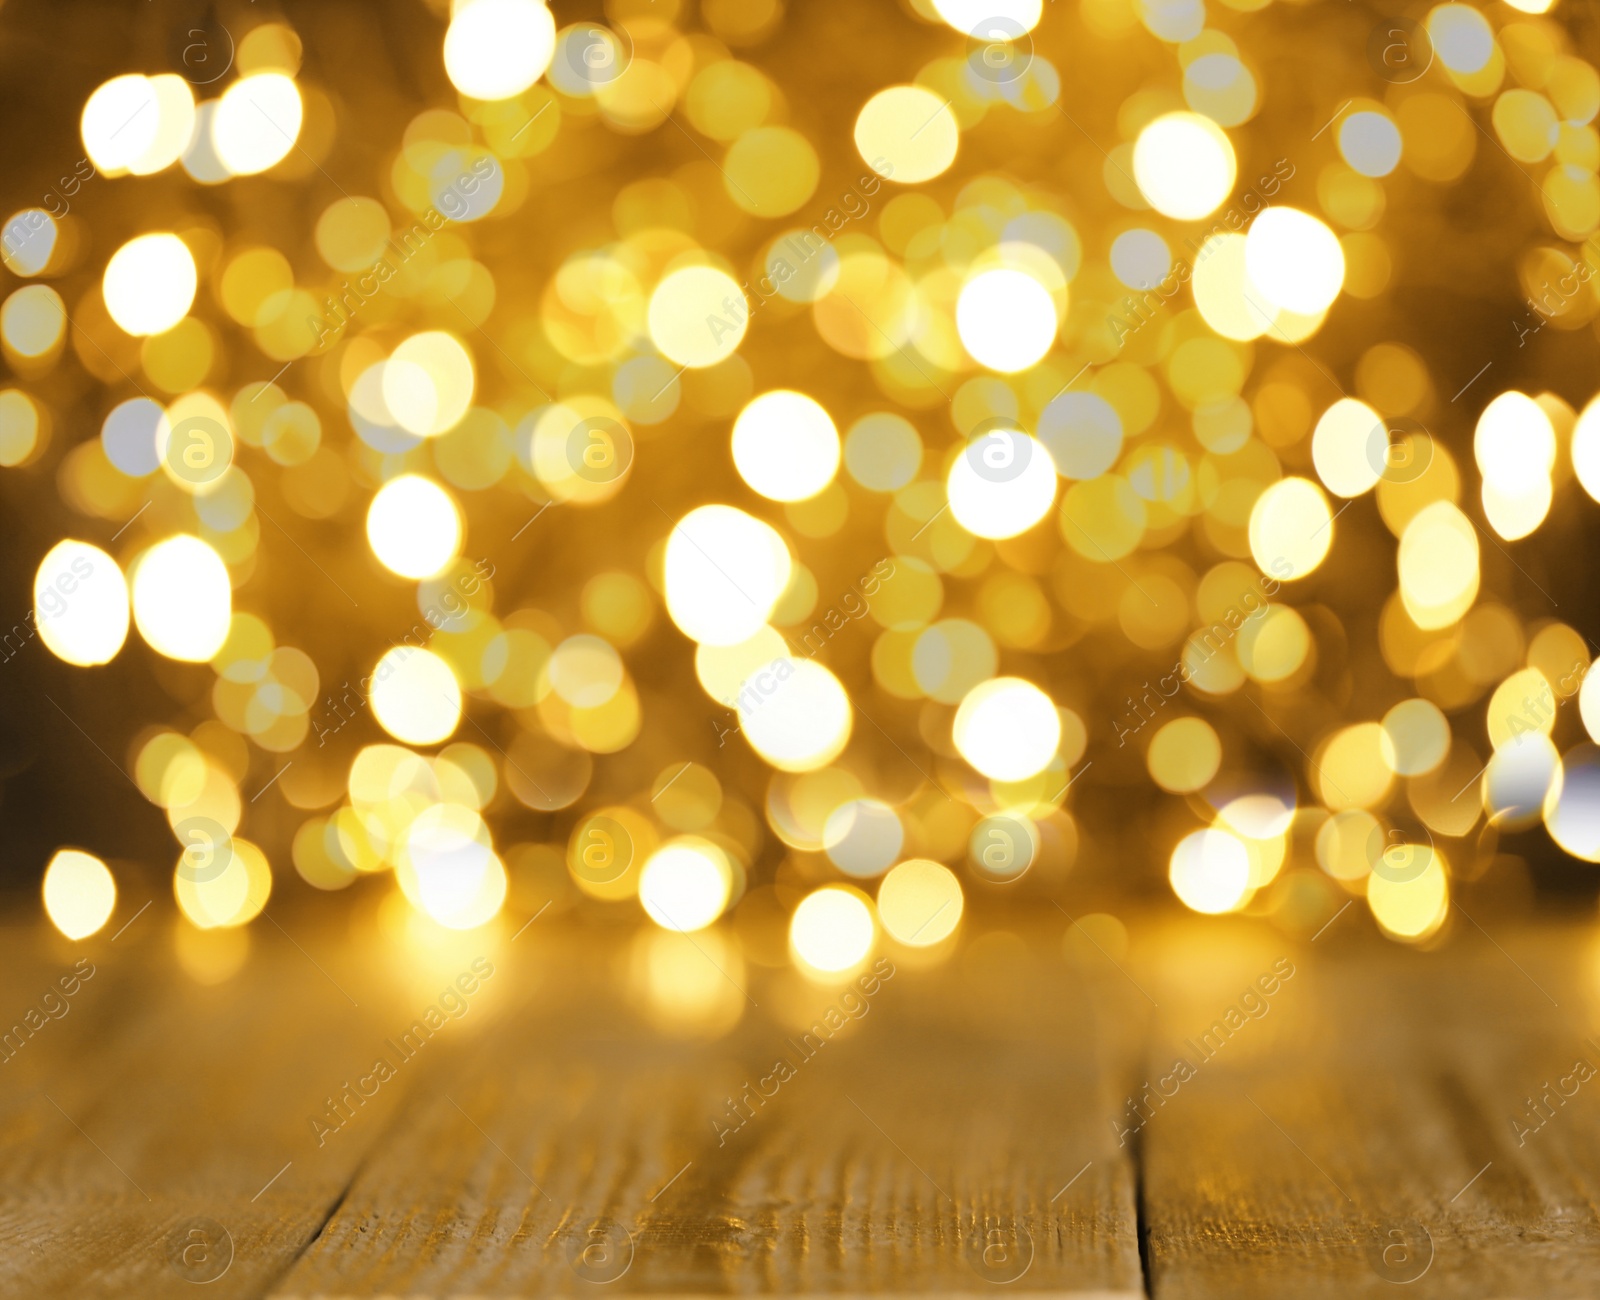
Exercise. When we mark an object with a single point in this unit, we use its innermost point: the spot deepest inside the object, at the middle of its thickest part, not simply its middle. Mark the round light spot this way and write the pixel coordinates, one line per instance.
(883, 452)
(448, 868)
(1438, 563)
(120, 122)
(832, 929)
(685, 884)
(725, 571)
(1514, 444)
(429, 382)
(1006, 319)
(1002, 484)
(785, 446)
(1007, 728)
(1572, 804)
(79, 893)
(182, 599)
(149, 284)
(920, 903)
(80, 602)
(1416, 737)
(1210, 871)
(1461, 37)
(907, 134)
(257, 122)
(1083, 433)
(1349, 447)
(977, 17)
(413, 527)
(863, 837)
(1140, 258)
(33, 320)
(1184, 755)
(495, 49)
(415, 696)
(795, 714)
(1291, 529)
(1184, 165)
(1295, 260)
(698, 316)
(1370, 142)
(1410, 905)
(28, 240)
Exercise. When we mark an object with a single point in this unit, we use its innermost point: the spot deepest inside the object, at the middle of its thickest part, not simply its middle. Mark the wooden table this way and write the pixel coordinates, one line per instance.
(1348, 1117)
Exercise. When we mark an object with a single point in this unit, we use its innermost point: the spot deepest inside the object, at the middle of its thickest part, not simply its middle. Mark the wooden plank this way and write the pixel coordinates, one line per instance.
(158, 1113)
(945, 1140)
(1357, 1135)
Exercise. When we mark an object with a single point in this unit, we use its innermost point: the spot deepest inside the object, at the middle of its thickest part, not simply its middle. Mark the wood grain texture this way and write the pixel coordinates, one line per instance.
(1358, 1136)
(155, 1102)
(1005, 1121)
(957, 1115)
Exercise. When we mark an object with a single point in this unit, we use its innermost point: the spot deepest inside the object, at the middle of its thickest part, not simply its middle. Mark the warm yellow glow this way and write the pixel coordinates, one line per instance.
(175, 118)
(725, 570)
(1184, 755)
(1002, 484)
(1350, 770)
(1572, 804)
(1350, 447)
(1416, 737)
(413, 527)
(795, 714)
(33, 321)
(1006, 319)
(920, 902)
(149, 284)
(785, 446)
(685, 884)
(182, 599)
(1294, 260)
(120, 121)
(1223, 291)
(494, 49)
(30, 240)
(1586, 448)
(907, 134)
(1461, 37)
(1210, 871)
(1515, 447)
(428, 383)
(832, 930)
(1410, 904)
(1514, 443)
(1438, 562)
(1007, 728)
(991, 19)
(1274, 644)
(1346, 842)
(1523, 704)
(1291, 529)
(1589, 703)
(415, 696)
(448, 869)
(79, 893)
(229, 891)
(585, 671)
(257, 123)
(1184, 165)
(80, 603)
(698, 316)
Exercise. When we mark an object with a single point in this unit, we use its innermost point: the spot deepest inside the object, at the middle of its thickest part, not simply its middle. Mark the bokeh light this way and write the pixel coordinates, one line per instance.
(79, 893)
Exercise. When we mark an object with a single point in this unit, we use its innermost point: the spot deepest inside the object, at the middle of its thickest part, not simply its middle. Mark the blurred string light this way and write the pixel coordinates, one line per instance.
(1010, 448)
